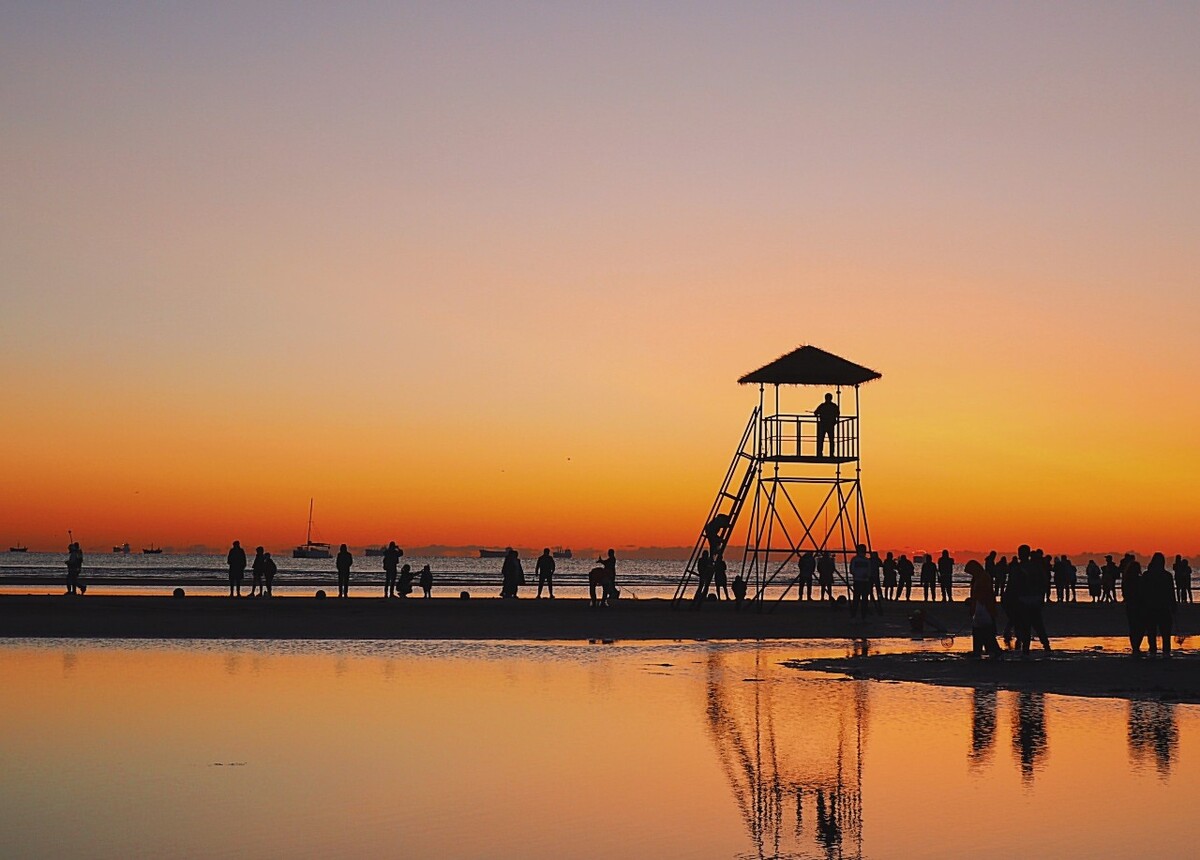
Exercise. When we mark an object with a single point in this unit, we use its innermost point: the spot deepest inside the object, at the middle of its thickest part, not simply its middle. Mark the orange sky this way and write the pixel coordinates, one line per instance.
(489, 277)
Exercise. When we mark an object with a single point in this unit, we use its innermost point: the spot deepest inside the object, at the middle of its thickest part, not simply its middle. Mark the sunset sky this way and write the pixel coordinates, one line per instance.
(475, 273)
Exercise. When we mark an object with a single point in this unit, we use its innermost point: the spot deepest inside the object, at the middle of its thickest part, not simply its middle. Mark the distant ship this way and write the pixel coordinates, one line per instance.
(563, 552)
(311, 549)
(18, 548)
(495, 553)
(153, 550)
(123, 548)
(374, 551)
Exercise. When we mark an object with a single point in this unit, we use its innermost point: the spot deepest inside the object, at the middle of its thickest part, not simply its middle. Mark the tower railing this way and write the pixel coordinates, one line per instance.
(793, 438)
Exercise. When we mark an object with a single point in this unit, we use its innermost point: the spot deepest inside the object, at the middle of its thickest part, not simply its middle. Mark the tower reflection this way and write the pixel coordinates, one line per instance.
(797, 782)
(1153, 734)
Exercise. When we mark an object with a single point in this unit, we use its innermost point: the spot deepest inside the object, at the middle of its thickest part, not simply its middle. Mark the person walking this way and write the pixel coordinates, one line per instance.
(425, 580)
(343, 562)
(945, 567)
(74, 569)
(860, 578)
(1109, 574)
(236, 559)
(545, 572)
(391, 561)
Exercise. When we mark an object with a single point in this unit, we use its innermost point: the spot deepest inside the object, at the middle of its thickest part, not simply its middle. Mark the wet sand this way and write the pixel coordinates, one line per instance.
(290, 617)
(1078, 673)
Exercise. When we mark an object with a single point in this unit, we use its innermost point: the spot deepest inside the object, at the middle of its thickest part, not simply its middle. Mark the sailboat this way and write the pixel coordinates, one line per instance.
(309, 549)
(152, 550)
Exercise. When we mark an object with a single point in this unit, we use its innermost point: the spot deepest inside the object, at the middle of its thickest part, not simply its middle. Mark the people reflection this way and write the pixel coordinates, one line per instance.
(983, 725)
(1153, 732)
(1029, 731)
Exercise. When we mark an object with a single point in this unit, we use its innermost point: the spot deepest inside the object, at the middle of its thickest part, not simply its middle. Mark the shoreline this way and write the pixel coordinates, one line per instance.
(1089, 674)
(527, 618)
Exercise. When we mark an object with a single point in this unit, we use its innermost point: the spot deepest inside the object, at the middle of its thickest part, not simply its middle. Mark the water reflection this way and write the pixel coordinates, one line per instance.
(780, 767)
(1153, 734)
(983, 725)
(1029, 739)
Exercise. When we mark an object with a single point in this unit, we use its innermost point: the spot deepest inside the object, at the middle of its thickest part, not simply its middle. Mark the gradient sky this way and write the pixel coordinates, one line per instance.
(487, 273)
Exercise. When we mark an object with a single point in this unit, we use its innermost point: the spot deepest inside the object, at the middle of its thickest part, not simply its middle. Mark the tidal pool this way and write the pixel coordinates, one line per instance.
(518, 750)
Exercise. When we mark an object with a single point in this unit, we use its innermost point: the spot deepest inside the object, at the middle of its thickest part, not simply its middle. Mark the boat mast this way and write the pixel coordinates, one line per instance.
(308, 538)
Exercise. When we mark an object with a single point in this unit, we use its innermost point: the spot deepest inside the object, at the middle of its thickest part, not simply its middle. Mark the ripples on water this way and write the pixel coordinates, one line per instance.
(511, 749)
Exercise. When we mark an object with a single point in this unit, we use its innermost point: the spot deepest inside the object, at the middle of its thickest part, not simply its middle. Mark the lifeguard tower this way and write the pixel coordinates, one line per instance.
(789, 496)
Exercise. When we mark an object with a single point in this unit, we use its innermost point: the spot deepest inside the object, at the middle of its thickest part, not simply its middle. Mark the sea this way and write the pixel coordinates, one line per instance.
(36, 572)
(517, 750)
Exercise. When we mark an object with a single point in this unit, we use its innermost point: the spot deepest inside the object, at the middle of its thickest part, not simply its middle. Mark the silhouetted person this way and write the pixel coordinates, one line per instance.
(1109, 574)
(827, 418)
(945, 566)
(237, 568)
(1131, 597)
(1093, 580)
(890, 569)
(826, 568)
(597, 576)
(739, 592)
(929, 574)
(983, 611)
(808, 569)
(1001, 576)
(511, 573)
(877, 580)
(425, 580)
(1157, 592)
(720, 578)
(256, 572)
(404, 582)
(1032, 596)
(391, 561)
(1183, 579)
(74, 569)
(860, 581)
(1062, 580)
(545, 571)
(268, 570)
(712, 534)
(905, 569)
(609, 563)
(704, 575)
(344, 561)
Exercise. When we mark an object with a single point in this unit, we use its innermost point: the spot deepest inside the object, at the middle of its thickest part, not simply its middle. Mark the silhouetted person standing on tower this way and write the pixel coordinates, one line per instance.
(545, 572)
(827, 418)
(344, 561)
(237, 568)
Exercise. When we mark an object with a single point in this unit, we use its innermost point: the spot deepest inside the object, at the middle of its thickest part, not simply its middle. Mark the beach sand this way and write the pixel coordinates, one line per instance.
(213, 617)
(1078, 673)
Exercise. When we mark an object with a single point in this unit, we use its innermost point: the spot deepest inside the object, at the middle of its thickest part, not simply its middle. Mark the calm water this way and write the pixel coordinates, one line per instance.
(479, 750)
(111, 572)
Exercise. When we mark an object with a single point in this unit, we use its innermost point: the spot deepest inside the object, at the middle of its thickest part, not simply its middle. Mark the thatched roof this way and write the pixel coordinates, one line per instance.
(811, 366)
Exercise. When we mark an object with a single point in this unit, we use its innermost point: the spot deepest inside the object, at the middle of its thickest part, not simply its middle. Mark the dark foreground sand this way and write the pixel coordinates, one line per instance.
(1066, 673)
(211, 617)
